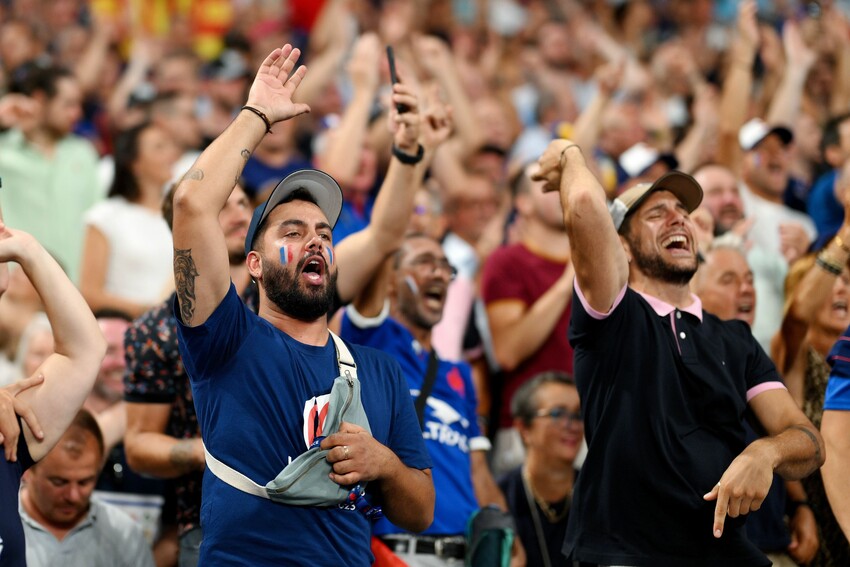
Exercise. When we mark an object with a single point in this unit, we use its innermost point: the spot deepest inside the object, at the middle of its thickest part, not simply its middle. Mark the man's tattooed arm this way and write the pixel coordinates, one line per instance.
(184, 280)
(246, 155)
(194, 175)
(812, 437)
(183, 456)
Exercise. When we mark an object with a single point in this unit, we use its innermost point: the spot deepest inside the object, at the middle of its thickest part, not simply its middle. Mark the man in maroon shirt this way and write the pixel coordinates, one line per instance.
(527, 288)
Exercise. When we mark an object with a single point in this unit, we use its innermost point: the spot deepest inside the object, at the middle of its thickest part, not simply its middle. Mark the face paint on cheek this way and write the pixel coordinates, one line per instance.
(330, 255)
(285, 254)
(411, 283)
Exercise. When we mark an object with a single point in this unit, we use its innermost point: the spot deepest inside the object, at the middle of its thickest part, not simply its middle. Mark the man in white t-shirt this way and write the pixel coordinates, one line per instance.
(764, 178)
(778, 231)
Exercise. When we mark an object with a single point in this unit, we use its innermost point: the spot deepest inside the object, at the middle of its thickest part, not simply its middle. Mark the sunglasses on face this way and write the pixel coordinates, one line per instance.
(560, 414)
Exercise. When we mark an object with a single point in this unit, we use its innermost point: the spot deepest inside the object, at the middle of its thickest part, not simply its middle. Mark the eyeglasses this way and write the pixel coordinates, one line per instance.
(560, 414)
(431, 264)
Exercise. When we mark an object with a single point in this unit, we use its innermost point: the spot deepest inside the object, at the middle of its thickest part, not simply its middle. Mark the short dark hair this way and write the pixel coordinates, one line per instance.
(524, 402)
(831, 135)
(34, 76)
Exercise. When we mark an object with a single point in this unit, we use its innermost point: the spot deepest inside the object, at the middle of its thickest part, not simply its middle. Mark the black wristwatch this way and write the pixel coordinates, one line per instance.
(408, 159)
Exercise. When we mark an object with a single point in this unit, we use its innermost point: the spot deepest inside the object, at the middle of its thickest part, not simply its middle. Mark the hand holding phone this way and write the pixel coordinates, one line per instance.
(401, 108)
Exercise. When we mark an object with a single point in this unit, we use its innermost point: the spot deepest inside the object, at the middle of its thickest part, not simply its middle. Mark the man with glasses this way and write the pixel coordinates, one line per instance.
(396, 314)
(547, 416)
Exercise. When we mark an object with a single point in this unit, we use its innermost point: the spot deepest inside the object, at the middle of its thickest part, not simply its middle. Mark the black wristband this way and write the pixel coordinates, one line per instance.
(262, 116)
(408, 159)
(792, 505)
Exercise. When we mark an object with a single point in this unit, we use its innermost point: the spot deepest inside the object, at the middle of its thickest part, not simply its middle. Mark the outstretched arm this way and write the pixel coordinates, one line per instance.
(600, 262)
(360, 255)
(70, 372)
(201, 266)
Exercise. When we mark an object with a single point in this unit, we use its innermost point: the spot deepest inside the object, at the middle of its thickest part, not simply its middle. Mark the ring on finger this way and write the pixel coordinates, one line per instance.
(345, 451)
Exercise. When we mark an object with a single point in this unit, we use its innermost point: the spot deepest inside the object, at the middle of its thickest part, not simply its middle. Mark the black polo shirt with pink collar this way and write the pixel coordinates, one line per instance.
(664, 393)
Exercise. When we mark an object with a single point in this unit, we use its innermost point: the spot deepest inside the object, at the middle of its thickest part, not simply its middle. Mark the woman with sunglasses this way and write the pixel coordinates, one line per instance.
(547, 415)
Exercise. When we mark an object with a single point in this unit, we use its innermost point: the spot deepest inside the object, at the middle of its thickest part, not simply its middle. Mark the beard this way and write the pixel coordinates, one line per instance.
(656, 267)
(284, 290)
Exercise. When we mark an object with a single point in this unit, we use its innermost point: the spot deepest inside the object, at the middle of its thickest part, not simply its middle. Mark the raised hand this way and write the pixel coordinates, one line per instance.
(10, 408)
(17, 110)
(12, 243)
(364, 66)
(405, 125)
(275, 83)
(551, 164)
(437, 125)
(747, 23)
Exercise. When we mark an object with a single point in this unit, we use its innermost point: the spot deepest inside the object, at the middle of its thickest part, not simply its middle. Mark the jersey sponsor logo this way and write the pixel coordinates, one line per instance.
(444, 431)
(315, 413)
(456, 382)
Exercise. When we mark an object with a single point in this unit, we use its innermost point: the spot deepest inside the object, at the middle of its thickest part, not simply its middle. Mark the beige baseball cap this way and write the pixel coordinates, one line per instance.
(682, 185)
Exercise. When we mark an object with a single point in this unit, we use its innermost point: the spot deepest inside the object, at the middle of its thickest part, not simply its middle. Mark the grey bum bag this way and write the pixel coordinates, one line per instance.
(304, 481)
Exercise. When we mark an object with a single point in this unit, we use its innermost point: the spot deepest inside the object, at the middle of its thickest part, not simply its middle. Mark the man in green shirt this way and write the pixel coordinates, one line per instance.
(49, 174)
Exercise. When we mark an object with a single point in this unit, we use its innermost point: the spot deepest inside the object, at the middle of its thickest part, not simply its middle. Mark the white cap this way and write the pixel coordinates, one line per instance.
(756, 130)
(640, 157)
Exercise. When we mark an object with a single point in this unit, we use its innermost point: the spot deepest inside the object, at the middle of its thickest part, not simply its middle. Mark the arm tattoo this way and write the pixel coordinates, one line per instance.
(181, 456)
(246, 155)
(811, 436)
(184, 280)
(194, 174)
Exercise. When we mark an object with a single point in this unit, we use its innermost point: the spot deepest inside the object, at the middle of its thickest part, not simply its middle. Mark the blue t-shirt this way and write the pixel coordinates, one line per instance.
(259, 395)
(826, 212)
(352, 219)
(12, 545)
(837, 395)
(449, 421)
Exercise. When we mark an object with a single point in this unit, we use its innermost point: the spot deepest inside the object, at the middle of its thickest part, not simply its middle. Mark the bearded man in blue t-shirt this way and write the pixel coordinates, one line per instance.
(267, 387)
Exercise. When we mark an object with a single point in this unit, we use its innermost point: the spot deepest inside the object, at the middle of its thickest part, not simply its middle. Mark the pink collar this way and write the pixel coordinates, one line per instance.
(663, 309)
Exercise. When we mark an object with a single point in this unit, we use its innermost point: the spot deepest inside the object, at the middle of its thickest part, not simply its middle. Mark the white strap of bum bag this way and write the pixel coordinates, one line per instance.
(238, 480)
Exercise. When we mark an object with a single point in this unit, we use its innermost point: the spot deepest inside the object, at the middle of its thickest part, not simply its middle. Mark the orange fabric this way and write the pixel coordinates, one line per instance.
(384, 557)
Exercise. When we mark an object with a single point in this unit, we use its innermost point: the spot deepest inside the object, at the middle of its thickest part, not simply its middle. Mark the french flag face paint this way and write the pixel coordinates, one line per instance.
(330, 255)
(411, 284)
(286, 254)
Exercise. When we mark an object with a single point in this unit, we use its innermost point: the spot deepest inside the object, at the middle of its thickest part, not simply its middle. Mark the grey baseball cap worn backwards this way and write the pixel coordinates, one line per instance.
(682, 185)
(321, 187)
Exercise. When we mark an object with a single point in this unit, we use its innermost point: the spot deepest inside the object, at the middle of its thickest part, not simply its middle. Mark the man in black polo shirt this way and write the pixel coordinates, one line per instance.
(664, 386)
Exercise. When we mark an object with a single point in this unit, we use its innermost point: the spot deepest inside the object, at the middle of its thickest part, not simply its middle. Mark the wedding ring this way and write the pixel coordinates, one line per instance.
(345, 450)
